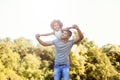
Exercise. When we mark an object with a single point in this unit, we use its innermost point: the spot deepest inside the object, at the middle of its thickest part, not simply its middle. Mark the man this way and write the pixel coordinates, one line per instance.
(62, 50)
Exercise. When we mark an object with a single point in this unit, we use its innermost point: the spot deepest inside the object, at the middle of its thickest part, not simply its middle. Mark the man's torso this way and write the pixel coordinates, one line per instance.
(62, 51)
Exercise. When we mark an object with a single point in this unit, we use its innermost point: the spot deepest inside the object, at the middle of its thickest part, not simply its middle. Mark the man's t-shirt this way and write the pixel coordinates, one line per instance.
(62, 51)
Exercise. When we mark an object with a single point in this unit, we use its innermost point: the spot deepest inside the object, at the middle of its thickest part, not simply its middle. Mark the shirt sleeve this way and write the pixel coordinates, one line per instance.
(72, 40)
(53, 42)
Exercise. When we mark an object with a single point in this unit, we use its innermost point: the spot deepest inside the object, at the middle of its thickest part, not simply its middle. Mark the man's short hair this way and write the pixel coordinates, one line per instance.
(56, 21)
(70, 33)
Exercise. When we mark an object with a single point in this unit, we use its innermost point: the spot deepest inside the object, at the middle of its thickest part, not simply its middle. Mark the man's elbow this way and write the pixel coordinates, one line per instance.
(44, 44)
(82, 37)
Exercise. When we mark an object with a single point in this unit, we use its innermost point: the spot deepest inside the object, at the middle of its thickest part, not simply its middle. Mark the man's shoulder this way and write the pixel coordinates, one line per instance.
(71, 40)
(55, 40)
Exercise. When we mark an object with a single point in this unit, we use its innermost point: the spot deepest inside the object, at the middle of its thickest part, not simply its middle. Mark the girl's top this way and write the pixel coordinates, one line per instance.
(58, 34)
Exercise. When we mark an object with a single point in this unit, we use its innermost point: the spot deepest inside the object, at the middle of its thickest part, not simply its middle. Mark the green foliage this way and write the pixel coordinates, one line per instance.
(113, 53)
(22, 46)
(30, 67)
(20, 60)
(90, 63)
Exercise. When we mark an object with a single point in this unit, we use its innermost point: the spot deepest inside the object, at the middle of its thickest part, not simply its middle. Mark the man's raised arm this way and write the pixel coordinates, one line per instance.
(80, 34)
(46, 43)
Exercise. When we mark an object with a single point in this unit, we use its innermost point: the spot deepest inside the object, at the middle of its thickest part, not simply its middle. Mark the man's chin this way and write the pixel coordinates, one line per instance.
(62, 38)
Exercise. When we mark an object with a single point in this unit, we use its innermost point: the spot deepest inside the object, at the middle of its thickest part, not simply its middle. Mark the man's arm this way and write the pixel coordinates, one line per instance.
(47, 43)
(80, 34)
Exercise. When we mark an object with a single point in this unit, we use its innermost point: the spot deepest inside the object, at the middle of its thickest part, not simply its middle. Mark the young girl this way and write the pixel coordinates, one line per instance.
(56, 26)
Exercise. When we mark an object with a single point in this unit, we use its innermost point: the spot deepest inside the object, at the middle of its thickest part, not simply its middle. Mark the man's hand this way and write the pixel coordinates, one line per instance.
(37, 36)
(80, 34)
(75, 26)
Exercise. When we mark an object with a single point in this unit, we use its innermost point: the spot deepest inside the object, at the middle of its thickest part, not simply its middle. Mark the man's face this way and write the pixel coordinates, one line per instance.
(65, 35)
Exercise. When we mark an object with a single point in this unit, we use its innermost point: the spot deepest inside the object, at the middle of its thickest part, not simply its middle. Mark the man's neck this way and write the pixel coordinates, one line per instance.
(64, 40)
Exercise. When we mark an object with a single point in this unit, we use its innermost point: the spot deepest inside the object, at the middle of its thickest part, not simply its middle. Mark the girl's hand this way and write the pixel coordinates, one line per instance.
(75, 26)
(37, 36)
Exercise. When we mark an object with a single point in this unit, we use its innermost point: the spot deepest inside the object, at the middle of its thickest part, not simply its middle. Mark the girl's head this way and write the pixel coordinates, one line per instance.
(56, 25)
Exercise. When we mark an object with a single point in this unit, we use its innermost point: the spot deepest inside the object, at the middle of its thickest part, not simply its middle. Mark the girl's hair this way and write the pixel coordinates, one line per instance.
(56, 21)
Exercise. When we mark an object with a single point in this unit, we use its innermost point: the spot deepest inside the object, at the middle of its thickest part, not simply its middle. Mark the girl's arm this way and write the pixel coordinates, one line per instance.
(67, 28)
(47, 34)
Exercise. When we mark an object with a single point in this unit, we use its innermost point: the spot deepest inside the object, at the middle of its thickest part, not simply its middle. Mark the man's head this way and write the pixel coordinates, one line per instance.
(56, 25)
(66, 34)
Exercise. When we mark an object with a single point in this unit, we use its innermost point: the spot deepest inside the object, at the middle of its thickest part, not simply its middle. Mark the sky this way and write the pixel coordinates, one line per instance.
(99, 20)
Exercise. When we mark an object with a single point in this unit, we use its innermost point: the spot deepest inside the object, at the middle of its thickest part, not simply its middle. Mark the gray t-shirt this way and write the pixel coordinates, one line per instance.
(62, 51)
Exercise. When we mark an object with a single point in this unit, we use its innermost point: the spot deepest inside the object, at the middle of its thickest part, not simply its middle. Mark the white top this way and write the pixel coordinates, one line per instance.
(58, 34)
